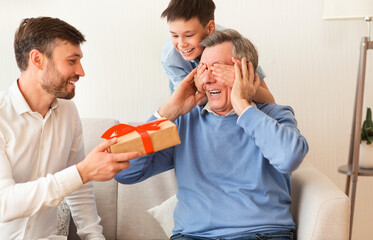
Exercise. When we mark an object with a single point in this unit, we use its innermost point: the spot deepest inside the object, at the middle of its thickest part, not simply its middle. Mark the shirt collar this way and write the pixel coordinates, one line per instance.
(54, 104)
(19, 102)
(196, 61)
(207, 108)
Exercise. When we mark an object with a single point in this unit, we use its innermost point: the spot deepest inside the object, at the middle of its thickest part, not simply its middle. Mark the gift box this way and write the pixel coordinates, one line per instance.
(145, 138)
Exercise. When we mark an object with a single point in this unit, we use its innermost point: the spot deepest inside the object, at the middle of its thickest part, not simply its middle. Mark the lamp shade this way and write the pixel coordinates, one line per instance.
(347, 9)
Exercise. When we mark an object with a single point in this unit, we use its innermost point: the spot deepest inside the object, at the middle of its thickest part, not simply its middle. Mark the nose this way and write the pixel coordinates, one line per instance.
(208, 78)
(183, 42)
(80, 70)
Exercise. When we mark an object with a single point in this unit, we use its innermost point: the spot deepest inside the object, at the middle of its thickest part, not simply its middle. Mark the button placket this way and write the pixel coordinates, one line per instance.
(42, 143)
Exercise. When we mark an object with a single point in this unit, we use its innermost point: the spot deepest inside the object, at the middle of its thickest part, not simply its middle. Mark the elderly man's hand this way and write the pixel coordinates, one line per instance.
(198, 77)
(225, 74)
(184, 98)
(245, 85)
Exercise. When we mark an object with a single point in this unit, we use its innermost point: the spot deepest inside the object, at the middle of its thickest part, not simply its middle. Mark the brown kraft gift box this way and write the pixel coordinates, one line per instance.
(167, 136)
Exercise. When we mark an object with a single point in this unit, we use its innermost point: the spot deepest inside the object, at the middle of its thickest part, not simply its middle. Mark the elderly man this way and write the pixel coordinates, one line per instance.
(234, 162)
(41, 144)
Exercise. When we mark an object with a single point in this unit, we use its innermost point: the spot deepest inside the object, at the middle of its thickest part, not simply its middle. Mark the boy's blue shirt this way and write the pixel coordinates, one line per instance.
(233, 174)
(177, 68)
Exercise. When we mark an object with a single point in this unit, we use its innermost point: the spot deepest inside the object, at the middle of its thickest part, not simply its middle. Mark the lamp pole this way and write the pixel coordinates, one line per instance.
(357, 119)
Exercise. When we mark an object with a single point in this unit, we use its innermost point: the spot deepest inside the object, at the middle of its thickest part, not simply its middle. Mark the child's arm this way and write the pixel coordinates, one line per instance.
(263, 95)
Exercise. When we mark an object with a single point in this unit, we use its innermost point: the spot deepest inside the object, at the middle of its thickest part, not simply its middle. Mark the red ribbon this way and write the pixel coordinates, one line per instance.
(123, 129)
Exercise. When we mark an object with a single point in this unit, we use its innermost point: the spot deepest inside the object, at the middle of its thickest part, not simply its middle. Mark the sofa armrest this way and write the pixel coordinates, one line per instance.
(320, 209)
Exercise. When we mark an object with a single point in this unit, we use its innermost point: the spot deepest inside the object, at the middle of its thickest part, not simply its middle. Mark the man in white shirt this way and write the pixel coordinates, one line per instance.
(41, 145)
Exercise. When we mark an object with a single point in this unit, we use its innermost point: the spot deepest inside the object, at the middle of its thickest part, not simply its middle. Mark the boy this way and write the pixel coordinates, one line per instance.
(190, 21)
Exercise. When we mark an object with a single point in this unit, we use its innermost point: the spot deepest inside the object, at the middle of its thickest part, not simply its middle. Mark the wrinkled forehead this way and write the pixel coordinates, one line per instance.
(220, 53)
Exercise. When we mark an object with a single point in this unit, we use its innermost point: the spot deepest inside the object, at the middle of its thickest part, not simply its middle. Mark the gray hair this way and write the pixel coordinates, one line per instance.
(242, 47)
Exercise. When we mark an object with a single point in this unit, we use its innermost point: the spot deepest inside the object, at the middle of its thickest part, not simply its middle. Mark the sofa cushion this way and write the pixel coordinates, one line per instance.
(63, 219)
(164, 214)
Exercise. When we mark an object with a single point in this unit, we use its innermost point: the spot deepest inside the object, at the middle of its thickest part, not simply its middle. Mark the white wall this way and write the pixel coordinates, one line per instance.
(310, 64)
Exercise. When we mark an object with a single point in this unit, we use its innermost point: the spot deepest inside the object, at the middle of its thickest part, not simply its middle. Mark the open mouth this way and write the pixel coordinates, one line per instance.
(186, 52)
(214, 92)
(71, 83)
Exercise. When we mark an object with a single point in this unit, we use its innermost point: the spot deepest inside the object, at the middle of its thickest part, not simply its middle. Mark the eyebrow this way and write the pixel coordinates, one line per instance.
(183, 32)
(75, 55)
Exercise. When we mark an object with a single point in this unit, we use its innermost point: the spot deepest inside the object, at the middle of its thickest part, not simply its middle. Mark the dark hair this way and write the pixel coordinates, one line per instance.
(40, 33)
(242, 47)
(187, 9)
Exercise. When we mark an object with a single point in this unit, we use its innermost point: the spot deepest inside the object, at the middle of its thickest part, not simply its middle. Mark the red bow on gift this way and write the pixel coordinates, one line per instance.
(123, 129)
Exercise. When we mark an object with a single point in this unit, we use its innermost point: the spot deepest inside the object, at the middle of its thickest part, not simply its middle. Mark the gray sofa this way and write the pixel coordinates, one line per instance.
(320, 209)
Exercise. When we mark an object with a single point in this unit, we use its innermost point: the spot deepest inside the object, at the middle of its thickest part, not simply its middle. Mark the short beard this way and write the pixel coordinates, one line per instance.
(58, 90)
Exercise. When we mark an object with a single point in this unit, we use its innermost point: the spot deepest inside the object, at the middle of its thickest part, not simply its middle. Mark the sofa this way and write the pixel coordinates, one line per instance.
(143, 211)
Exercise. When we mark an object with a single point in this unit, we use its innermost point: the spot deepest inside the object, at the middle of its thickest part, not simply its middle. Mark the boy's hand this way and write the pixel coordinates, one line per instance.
(223, 73)
(102, 166)
(198, 79)
(184, 98)
(245, 85)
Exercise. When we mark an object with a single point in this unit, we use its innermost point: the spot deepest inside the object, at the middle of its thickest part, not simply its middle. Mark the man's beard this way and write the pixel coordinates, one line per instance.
(58, 87)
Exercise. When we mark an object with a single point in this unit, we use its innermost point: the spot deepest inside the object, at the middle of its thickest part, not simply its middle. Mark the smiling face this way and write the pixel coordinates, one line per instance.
(218, 94)
(186, 36)
(62, 70)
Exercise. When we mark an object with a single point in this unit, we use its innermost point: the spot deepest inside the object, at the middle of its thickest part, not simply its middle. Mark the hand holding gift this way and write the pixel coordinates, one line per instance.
(102, 166)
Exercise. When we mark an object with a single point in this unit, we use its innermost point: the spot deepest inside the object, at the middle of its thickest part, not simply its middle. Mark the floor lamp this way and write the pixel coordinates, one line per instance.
(354, 10)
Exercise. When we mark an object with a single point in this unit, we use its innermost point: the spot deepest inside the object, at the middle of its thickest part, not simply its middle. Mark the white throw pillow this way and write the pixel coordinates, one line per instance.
(164, 214)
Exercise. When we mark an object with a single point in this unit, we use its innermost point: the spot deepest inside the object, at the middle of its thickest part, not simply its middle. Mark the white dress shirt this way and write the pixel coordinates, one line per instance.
(38, 158)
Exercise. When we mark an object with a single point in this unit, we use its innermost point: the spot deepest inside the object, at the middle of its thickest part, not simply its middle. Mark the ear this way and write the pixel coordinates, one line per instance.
(36, 58)
(210, 26)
